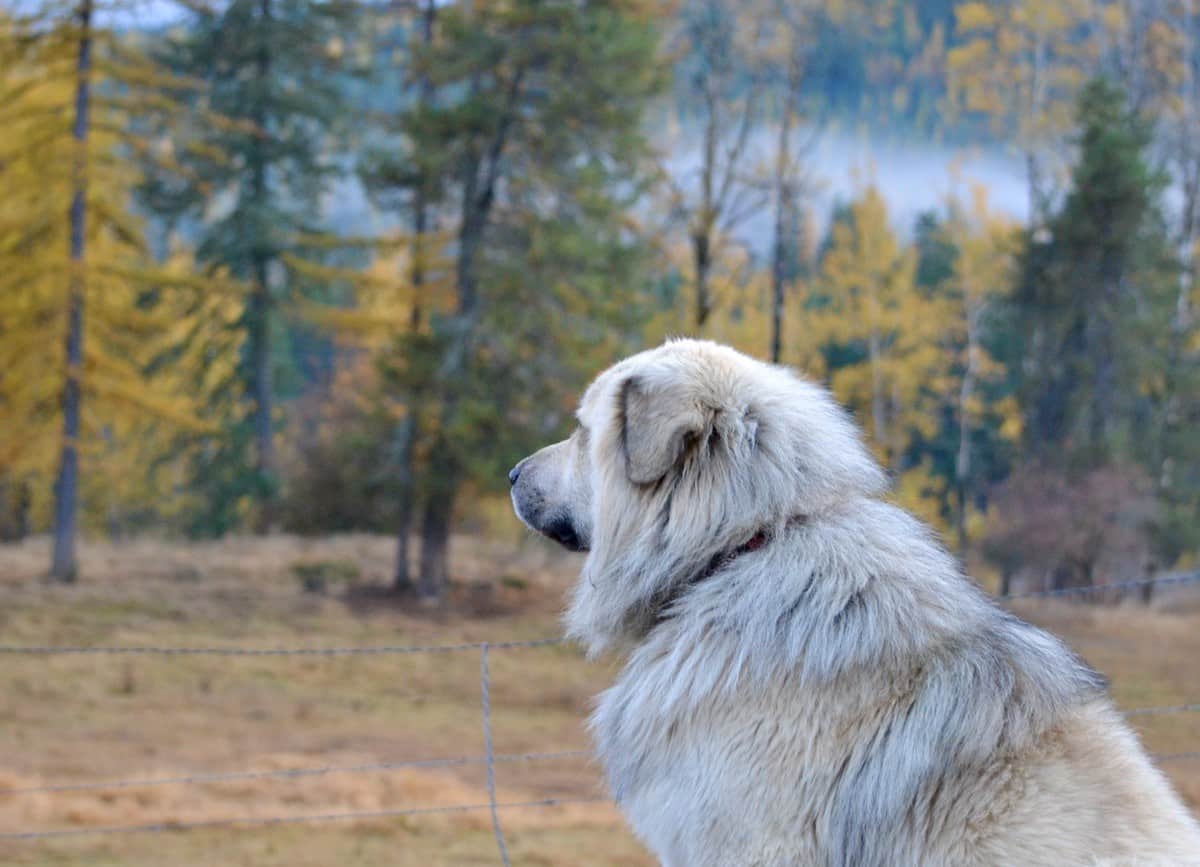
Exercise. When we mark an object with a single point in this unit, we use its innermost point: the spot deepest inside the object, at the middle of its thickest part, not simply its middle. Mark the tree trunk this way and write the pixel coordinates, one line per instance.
(878, 411)
(779, 248)
(8, 531)
(479, 178)
(960, 515)
(703, 230)
(1147, 588)
(259, 336)
(962, 464)
(435, 534)
(1005, 581)
(66, 486)
(702, 264)
(409, 429)
(1033, 181)
(406, 436)
(442, 485)
(21, 517)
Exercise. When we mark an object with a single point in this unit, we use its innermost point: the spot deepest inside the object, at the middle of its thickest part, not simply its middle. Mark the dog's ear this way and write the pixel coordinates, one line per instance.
(657, 427)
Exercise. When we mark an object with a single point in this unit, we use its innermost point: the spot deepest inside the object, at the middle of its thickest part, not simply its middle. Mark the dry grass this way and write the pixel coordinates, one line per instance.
(82, 718)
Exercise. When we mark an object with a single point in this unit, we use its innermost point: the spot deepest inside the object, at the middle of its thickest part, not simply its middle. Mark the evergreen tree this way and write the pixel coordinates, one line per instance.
(533, 138)
(402, 177)
(272, 75)
(1092, 329)
(966, 261)
(1095, 295)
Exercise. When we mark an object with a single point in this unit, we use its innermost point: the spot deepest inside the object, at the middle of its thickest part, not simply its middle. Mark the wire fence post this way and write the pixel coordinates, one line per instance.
(487, 748)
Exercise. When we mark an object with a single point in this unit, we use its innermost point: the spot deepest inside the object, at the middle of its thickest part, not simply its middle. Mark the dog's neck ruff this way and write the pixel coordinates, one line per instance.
(720, 562)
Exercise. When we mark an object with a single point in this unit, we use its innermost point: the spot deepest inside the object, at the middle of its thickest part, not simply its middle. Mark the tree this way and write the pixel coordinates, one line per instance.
(1020, 63)
(538, 104)
(871, 315)
(71, 88)
(718, 91)
(403, 177)
(1178, 471)
(981, 275)
(789, 45)
(274, 90)
(1094, 298)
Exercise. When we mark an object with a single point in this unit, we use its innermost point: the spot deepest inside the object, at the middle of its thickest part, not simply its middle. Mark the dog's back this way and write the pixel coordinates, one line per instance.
(813, 707)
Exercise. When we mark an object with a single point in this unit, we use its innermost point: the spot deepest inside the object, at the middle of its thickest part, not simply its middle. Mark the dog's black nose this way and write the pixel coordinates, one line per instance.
(514, 474)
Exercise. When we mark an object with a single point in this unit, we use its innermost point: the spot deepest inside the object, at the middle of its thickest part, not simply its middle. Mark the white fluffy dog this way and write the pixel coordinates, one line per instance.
(809, 679)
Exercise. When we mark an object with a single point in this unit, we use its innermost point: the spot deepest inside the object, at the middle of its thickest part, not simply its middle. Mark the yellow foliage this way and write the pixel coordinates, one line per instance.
(869, 300)
(1021, 64)
(920, 492)
(969, 17)
(157, 337)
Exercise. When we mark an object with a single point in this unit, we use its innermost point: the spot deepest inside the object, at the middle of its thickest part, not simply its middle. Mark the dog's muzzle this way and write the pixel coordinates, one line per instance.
(530, 505)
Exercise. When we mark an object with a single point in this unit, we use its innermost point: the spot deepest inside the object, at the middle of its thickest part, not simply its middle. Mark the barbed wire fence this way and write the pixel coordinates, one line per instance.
(488, 760)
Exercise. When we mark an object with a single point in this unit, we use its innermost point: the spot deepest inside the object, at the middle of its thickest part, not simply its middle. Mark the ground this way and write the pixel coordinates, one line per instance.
(67, 719)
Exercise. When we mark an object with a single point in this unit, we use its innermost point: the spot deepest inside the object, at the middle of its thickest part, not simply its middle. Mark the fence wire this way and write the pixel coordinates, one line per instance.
(486, 713)
(383, 650)
(1168, 708)
(363, 815)
(1161, 581)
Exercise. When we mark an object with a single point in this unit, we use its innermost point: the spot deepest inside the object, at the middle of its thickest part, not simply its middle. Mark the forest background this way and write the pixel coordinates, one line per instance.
(318, 267)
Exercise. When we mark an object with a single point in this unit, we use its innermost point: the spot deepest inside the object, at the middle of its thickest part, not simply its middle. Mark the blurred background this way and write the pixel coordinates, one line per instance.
(286, 287)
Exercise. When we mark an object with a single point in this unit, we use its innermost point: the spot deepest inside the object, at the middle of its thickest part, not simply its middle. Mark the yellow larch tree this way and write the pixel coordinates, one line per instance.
(868, 302)
(985, 244)
(105, 353)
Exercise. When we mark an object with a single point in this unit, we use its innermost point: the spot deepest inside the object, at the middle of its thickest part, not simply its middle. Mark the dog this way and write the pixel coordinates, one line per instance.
(809, 679)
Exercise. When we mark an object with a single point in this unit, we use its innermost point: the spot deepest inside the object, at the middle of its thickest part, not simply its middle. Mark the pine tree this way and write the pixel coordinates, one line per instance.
(536, 124)
(1090, 349)
(980, 417)
(273, 78)
(1095, 293)
(401, 176)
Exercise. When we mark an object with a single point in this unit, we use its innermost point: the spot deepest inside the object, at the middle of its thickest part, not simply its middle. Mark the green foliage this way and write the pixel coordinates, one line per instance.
(272, 104)
(532, 149)
(1094, 298)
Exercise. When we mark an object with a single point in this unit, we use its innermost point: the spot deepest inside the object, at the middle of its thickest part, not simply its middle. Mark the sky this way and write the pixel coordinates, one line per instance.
(139, 13)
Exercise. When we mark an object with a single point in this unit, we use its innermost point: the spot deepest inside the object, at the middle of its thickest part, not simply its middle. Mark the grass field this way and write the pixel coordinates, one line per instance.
(67, 719)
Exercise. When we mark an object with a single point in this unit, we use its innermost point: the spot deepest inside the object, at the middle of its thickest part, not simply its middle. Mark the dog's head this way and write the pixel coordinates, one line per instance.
(682, 452)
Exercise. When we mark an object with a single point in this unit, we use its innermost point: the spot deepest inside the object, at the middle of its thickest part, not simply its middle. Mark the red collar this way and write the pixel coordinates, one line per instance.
(719, 562)
(724, 558)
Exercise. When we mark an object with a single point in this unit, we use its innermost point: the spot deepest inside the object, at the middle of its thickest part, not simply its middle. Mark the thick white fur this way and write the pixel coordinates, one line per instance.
(841, 695)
